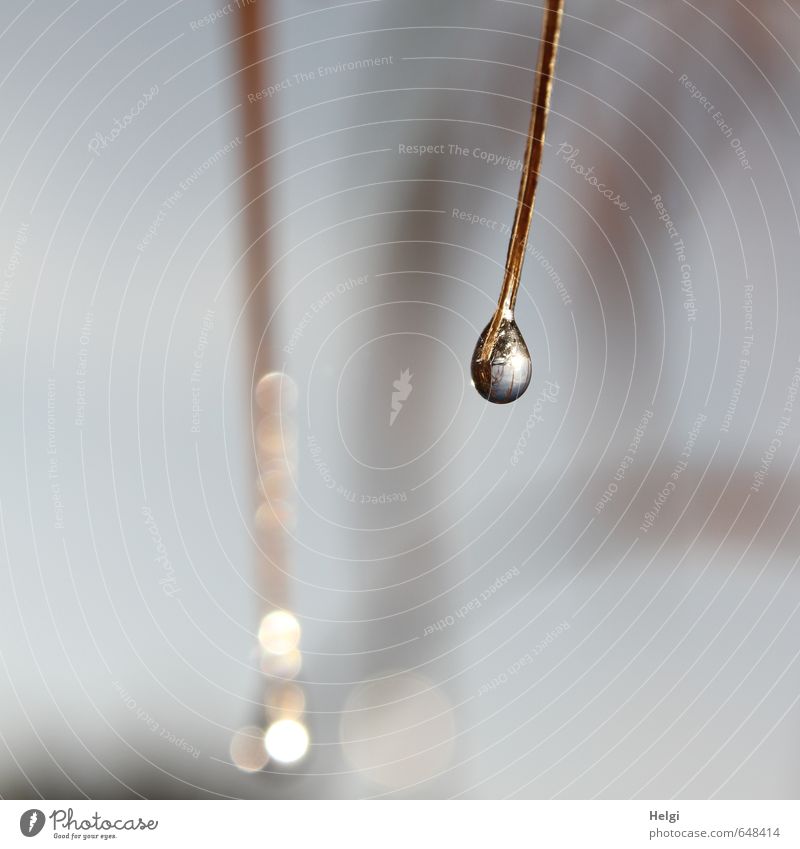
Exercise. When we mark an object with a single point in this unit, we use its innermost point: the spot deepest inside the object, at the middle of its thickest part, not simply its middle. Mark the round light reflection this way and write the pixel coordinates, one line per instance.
(279, 632)
(286, 741)
(247, 749)
(276, 392)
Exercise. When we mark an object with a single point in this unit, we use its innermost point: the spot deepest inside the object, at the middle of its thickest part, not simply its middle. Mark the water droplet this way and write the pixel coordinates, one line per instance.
(505, 373)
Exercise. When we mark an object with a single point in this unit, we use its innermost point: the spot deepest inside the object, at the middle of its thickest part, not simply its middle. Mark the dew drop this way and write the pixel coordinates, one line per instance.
(506, 371)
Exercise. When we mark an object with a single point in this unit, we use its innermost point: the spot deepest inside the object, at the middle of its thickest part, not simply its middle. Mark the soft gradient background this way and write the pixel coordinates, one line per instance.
(600, 659)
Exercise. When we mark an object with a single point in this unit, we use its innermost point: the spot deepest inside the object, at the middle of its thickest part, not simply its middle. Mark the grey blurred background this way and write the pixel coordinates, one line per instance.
(590, 593)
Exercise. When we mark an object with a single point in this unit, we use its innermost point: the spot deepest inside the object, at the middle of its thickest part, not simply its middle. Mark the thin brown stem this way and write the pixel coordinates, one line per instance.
(551, 30)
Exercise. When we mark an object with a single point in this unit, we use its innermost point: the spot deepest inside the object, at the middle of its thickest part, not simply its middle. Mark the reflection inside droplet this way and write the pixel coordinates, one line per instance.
(505, 373)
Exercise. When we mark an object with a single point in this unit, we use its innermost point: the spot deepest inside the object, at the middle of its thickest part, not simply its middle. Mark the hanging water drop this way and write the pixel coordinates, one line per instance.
(501, 365)
(503, 372)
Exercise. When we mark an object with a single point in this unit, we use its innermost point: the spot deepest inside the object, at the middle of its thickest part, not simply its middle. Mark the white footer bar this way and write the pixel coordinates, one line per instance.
(403, 825)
